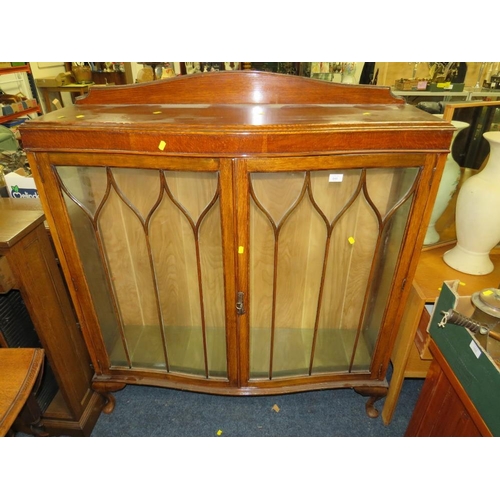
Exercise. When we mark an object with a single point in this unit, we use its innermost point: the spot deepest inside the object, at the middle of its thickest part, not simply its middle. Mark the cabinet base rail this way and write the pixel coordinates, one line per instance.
(374, 390)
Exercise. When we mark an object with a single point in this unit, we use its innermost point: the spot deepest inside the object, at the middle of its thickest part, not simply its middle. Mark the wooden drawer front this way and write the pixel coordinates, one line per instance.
(422, 338)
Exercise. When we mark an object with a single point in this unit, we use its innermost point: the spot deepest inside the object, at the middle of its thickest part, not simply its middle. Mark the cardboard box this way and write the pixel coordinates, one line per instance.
(19, 185)
(17, 107)
(404, 84)
(57, 81)
(7, 110)
(46, 82)
(415, 84)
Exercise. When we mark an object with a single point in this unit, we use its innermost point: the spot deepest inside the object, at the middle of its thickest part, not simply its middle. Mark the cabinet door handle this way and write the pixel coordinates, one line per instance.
(240, 308)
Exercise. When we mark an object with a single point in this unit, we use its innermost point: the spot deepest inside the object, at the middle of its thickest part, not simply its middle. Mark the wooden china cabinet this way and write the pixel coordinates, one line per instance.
(239, 233)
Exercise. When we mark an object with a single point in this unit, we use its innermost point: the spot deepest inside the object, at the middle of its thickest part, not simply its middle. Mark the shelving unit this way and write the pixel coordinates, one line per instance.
(8, 118)
(465, 95)
(15, 69)
(36, 109)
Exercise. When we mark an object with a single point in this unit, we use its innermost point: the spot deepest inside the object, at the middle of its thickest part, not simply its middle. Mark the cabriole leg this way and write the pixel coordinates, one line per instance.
(374, 394)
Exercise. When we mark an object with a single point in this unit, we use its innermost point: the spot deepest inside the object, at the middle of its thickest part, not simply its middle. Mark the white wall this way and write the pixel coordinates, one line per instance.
(46, 69)
(49, 70)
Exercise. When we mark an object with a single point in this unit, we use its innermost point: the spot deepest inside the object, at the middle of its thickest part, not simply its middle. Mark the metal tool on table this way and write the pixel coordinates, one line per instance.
(484, 322)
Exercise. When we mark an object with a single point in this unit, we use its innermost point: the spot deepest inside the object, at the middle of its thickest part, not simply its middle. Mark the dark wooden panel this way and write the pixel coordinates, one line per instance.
(39, 279)
(443, 408)
(478, 376)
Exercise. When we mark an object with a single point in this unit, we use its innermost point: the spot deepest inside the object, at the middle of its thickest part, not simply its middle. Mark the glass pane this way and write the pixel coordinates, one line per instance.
(350, 255)
(88, 247)
(399, 201)
(386, 187)
(192, 190)
(313, 305)
(277, 193)
(92, 262)
(272, 329)
(125, 247)
(299, 271)
(151, 246)
(261, 257)
(86, 185)
(333, 190)
(139, 187)
(385, 264)
(212, 277)
(186, 242)
(174, 256)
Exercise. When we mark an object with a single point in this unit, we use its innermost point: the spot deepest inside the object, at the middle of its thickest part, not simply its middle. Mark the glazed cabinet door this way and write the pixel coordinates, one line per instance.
(152, 240)
(318, 261)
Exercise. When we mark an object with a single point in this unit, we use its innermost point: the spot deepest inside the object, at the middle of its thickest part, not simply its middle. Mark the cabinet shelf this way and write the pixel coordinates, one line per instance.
(15, 69)
(24, 112)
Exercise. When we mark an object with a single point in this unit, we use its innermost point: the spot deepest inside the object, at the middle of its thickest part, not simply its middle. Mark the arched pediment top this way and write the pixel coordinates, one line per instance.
(239, 87)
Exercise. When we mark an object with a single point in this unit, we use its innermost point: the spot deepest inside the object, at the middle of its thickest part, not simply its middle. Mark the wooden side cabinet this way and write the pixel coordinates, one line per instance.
(411, 356)
(239, 233)
(444, 408)
(461, 394)
(28, 264)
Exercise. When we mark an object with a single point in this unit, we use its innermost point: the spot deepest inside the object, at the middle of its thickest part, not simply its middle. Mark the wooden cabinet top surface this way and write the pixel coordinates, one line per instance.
(19, 369)
(12, 229)
(242, 104)
(239, 115)
(432, 271)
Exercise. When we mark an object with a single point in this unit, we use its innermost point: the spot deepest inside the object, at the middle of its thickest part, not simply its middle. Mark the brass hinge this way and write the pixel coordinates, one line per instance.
(240, 307)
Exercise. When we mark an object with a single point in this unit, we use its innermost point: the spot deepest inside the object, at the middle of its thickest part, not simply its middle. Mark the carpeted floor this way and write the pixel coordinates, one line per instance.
(152, 412)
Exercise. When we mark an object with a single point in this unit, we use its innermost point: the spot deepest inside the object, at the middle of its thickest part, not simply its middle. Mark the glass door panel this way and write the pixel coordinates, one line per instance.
(154, 237)
(96, 276)
(127, 260)
(323, 249)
